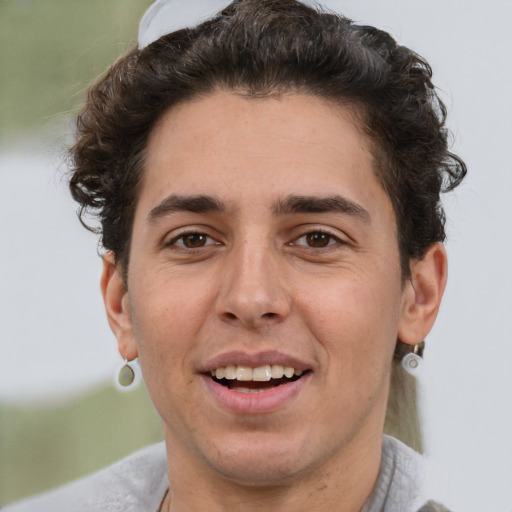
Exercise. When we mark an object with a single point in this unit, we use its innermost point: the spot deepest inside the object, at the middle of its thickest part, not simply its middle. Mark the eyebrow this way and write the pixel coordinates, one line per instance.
(314, 204)
(290, 205)
(194, 204)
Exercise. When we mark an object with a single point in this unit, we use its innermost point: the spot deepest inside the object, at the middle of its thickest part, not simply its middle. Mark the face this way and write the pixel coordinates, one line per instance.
(264, 291)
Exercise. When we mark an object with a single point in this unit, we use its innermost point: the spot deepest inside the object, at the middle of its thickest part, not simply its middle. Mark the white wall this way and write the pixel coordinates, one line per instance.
(54, 340)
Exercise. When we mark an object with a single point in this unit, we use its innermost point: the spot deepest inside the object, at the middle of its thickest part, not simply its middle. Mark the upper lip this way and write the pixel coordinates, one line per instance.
(241, 358)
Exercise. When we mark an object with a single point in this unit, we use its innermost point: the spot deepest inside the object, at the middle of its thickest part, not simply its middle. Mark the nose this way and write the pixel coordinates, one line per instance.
(253, 293)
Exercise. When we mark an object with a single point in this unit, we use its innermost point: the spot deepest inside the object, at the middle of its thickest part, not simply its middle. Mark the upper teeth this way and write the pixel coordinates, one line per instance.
(259, 374)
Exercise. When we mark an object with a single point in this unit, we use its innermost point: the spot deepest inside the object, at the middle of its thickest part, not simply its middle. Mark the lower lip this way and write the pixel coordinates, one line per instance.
(260, 402)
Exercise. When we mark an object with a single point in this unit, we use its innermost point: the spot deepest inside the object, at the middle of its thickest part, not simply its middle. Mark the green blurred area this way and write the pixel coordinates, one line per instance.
(41, 448)
(50, 51)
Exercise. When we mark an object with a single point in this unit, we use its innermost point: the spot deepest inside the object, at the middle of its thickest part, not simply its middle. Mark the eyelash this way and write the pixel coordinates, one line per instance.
(181, 237)
(332, 240)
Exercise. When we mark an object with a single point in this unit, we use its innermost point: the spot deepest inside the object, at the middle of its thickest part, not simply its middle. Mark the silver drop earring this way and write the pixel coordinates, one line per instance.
(127, 377)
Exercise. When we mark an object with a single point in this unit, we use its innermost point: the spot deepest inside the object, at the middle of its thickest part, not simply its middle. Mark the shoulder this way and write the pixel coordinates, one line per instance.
(400, 485)
(403, 468)
(133, 484)
(402, 462)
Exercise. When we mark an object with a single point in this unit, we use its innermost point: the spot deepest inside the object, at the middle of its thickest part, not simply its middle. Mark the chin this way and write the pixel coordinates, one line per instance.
(258, 473)
(260, 462)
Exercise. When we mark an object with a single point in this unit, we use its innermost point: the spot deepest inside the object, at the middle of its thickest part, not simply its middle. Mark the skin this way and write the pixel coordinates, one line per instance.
(257, 278)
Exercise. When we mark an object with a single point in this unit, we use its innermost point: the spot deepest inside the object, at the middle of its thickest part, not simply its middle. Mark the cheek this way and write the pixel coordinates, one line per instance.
(355, 337)
(354, 319)
(160, 322)
(168, 313)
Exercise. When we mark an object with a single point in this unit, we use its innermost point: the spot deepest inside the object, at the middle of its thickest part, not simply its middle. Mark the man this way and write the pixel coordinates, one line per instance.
(268, 190)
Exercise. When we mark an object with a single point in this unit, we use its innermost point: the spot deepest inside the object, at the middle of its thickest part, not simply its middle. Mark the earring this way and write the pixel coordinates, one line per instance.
(411, 363)
(413, 360)
(127, 377)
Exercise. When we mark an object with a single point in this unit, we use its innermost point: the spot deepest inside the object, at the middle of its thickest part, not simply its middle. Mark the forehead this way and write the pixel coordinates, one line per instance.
(258, 149)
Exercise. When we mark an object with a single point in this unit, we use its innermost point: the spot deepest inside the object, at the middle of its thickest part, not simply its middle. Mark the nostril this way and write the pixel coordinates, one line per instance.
(232, 316)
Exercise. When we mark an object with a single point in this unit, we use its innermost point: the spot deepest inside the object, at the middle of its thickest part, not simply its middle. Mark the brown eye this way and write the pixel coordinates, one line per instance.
(194, 240)
(318, 239)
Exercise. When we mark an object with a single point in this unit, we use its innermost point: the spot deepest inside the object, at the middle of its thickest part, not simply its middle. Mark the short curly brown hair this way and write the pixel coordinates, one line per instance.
(260, 48)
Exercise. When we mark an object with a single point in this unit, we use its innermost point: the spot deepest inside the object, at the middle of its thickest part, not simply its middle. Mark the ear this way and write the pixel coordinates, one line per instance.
(115, 298)
(422, 295)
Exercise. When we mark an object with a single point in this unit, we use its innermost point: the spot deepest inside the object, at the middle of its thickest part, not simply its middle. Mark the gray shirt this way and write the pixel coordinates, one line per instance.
(400, 483)
(139, 482)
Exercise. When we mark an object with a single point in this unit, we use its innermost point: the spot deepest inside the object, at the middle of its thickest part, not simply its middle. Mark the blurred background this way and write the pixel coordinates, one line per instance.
(59, 415)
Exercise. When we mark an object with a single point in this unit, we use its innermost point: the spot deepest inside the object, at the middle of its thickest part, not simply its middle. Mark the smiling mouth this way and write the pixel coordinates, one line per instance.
(245, 379)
